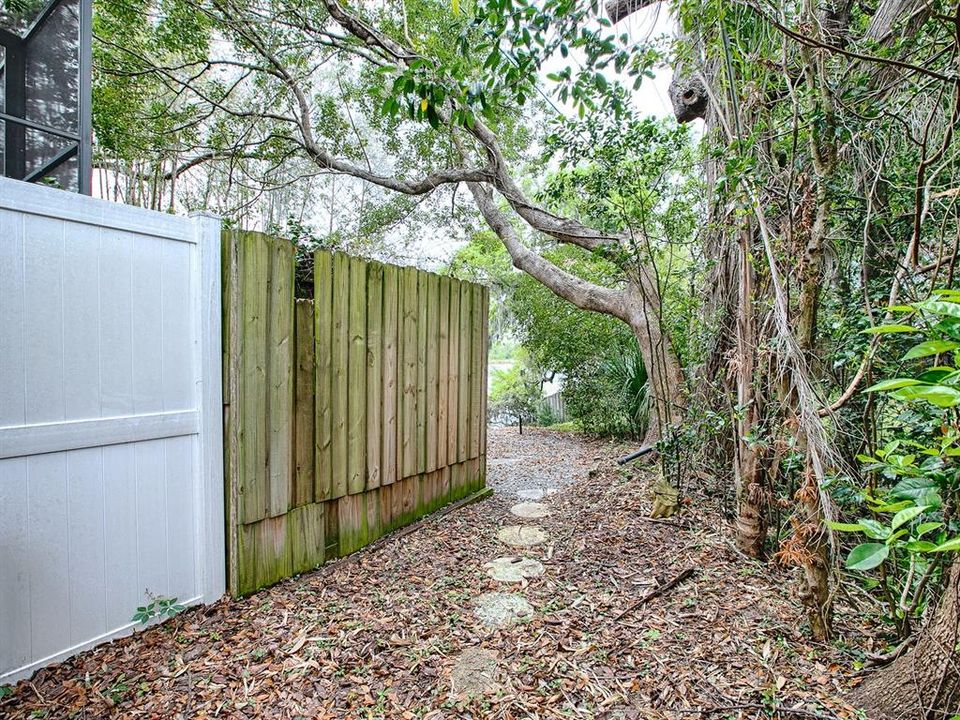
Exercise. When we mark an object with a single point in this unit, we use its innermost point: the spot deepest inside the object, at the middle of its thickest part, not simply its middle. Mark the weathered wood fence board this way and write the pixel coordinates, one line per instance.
(350, 415)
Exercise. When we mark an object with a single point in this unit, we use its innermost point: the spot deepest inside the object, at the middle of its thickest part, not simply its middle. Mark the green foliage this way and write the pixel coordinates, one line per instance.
(515, 392)
(157, 608)
(135, 114)
(915, 483)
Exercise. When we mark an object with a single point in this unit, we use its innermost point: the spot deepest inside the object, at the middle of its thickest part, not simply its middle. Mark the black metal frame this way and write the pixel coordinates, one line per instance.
(15, 95)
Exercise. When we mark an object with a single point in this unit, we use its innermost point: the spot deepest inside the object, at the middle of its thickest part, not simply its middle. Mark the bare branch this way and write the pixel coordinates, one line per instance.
(585, 295)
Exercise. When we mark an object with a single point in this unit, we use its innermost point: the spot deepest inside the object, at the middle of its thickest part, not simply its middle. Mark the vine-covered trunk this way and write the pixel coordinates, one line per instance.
(749, 475)
(924, 683)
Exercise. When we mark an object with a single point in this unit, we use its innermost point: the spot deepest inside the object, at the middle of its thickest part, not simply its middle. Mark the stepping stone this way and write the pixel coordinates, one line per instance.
(530, 510)
(475, 672)
(498, 610)
(513, 569)
(535, 493)
(522, 535)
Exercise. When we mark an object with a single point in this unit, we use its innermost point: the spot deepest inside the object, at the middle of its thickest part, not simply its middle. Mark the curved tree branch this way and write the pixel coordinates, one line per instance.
(585, 295)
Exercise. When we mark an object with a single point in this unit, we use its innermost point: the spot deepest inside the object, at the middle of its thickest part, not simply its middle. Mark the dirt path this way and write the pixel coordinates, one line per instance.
(390, 633)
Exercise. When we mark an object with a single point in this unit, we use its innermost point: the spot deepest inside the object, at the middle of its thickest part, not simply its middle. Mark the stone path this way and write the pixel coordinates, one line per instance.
(529, 479)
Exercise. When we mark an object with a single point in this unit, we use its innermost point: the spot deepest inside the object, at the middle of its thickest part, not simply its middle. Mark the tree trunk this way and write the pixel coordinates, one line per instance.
(748, 471)
(664, 374)
(924, 683)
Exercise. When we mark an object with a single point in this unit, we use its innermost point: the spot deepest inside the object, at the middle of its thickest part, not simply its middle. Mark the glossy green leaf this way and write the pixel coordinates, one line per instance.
(930, 347)
(845, 527)
(924, 528)
(940, 307)
(940, 395)
(889, 329)
(874, 529)
(867, 556)
(913, 488)
(893, 384)
(949, 546)
(906, 515)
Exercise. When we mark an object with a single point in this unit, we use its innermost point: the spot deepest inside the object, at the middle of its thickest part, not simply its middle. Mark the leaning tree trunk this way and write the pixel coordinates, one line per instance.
(923, 684)
(664, 375)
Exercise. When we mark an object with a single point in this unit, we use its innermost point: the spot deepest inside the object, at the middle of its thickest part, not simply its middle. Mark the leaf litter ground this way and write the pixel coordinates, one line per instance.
(383, 633)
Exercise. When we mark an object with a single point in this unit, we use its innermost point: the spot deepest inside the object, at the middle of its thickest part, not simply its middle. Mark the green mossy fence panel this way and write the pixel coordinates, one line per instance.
(304, 422)
(349, 415)
(323, 355)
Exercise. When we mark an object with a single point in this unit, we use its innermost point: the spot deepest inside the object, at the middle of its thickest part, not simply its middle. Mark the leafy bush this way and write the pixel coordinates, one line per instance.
(911, 500)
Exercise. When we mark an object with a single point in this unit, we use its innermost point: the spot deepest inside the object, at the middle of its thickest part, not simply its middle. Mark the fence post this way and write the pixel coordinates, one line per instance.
(207, 354)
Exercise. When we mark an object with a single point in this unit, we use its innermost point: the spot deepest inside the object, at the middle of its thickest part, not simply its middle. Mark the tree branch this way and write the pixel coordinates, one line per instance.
(585, 295)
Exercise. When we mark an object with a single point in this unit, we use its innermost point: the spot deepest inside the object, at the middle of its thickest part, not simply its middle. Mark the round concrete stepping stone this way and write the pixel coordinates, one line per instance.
(522, 535)
(475, 672)
(535, 493)
(498, 610)
(513, 569)
(530, 510)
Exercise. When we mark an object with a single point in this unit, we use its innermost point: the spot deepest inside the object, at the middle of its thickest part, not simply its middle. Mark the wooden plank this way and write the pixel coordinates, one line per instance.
(485, 379)
(477, 356)
(331, 528)
(357, 379)
(433, 369)
(390, 385)
(396, 503)
(253, 382)
(373, 521)
(272, 551)
(305, 529)
(323, 353)
(229, 290)
(374, 434)
(280, 371)
(339, 383)
(265, 553)
(304, 405)
(453, 375)
(352, 519)
(422, 332)
(443, 368)
(386, 508)
(408, 413)
(465, 395)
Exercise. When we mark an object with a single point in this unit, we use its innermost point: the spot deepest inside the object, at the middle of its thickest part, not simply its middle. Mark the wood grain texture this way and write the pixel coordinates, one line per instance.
(357, 379)
(374, 379)
(390, 385)
(432, 370)
(464, 373)
(304, 406)
(279, 377)
(408, 416)
(453, 376)
(340, 358)
(323, 355)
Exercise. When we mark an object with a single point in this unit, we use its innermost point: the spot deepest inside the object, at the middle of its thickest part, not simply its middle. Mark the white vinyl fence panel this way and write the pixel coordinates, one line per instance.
(111, 487)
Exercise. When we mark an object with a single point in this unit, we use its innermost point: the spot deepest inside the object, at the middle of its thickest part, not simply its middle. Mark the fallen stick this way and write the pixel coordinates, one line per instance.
(658, 592)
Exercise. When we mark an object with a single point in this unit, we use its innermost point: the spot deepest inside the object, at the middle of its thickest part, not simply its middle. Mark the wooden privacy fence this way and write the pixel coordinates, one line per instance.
(346, 416)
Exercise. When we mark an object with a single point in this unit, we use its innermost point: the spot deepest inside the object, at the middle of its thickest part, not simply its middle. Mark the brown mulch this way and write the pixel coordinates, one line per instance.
(376, 636)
